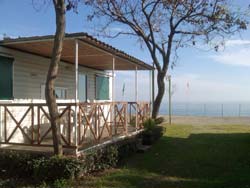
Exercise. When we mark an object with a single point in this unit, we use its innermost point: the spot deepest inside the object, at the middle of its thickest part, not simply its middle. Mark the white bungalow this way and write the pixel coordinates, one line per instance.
(84, 85)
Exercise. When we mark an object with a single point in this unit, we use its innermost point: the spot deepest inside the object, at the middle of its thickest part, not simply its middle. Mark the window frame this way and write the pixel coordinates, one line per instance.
(103, 76)
(43, 86)
(62, 89)
(86, 85)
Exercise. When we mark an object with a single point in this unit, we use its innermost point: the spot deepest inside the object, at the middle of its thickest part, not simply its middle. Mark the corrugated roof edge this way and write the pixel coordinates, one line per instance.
(86, 38)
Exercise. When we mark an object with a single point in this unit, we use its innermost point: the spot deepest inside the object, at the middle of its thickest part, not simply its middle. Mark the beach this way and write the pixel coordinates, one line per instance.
(202, 120)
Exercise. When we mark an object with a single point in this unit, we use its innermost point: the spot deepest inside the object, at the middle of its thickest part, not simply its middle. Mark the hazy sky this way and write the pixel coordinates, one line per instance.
(212, 76)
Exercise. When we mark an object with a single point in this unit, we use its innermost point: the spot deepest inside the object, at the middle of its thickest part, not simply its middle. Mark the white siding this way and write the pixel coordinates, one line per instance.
(30, 73)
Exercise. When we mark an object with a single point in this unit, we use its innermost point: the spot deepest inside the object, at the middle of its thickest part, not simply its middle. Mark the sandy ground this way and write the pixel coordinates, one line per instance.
(196, 120)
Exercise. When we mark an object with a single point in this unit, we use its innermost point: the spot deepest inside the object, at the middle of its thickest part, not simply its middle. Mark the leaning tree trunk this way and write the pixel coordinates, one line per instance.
(160, 94)
(59, 6)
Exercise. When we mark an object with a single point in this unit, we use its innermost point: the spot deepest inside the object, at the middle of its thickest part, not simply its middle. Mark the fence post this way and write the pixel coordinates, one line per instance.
(239, 109)
(205, 109)
(126, 118)
(5, 124)
(169, 99)
(186, 109)
(222, 109)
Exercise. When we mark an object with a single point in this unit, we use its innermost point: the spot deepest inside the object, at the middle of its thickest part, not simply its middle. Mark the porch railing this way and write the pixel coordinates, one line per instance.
(29, 123)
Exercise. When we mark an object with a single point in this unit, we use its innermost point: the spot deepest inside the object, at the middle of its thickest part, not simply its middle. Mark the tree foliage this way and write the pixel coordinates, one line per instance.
(163, 26)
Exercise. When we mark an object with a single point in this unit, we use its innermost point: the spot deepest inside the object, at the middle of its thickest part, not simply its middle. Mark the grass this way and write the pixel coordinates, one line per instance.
(212, 156)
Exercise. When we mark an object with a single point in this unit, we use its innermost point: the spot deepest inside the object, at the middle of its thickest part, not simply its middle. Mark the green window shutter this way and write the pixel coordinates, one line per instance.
(6, 71)
(102, 88)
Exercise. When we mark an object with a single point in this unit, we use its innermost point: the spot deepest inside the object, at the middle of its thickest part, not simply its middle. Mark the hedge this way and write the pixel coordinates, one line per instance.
(37, 168)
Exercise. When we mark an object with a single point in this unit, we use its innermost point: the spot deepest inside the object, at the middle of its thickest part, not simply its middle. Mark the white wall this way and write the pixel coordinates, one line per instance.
(30, 73)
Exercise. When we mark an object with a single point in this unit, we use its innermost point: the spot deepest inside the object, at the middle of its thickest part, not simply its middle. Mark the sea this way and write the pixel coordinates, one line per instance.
(227, 109)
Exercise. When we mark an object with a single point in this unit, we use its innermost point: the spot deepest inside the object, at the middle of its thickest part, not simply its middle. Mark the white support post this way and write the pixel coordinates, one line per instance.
(136, 98)
(76, 90)
(113, 94)
(153, 89)
(113, 80)
(150, 91)
(1, 124)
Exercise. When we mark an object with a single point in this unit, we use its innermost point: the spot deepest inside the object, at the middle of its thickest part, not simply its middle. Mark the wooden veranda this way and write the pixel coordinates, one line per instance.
(29, 124)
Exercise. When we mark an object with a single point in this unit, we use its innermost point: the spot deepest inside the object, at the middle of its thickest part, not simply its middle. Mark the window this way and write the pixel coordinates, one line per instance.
(60, 92)
(6, 78)
(82, 87)
(102, 88)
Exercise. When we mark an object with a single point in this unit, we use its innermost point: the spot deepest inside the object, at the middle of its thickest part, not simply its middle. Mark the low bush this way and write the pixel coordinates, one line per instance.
(158, 132)
(8, 183)
(126, 148)
(16, 165)
(55, 171)
(149, 124)
(152, 132)
(108, 156)
(37, 168)
(56, 167)
(60, 183)
(159, 120)
(100, 159)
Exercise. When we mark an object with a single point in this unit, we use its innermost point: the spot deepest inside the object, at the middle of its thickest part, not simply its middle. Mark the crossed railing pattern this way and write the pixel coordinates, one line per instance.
(101, 121)
(29, 124)
(139, 111)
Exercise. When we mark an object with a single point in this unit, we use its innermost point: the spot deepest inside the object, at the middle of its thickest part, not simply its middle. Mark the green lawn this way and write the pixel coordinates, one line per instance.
(187, 156)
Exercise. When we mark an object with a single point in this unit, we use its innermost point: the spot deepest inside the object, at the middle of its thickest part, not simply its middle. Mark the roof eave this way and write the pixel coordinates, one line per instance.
(85, 38)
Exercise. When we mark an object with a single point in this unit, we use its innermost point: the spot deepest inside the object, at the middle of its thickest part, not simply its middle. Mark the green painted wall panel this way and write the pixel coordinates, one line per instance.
(6, 78)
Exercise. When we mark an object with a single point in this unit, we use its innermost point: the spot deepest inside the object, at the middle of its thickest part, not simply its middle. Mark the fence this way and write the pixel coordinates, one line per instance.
(208, 109)
(29, 123)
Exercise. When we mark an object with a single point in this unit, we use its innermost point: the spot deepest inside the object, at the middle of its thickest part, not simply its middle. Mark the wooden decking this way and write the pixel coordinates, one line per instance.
(27, 126)
(49, 150)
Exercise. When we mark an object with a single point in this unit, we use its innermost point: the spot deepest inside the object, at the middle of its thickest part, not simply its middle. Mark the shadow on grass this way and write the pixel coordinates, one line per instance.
(201, 160)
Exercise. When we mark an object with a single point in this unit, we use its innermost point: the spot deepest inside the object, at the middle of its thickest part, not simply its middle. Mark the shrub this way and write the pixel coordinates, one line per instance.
(55, 171)
(158, 132)
(108, 156)
(152, 132)
(126, 148)
(9, 183)
(60, 183)
(159, 120)
(37, 168)
(149, 124)
(100, 159)
(16, 164)
(56, 167)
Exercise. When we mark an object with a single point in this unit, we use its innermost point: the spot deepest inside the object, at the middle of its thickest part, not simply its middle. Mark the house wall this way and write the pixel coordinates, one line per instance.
(30, 73)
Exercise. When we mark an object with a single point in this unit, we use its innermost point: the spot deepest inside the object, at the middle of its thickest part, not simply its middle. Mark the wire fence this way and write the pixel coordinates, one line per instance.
(208, 109)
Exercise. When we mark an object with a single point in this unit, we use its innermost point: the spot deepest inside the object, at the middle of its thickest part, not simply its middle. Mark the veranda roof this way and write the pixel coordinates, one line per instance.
(92, 52)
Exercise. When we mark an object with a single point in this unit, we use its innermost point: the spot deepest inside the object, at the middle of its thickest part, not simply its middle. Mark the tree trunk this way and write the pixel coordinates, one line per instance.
(160, 94)
(59, 6)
